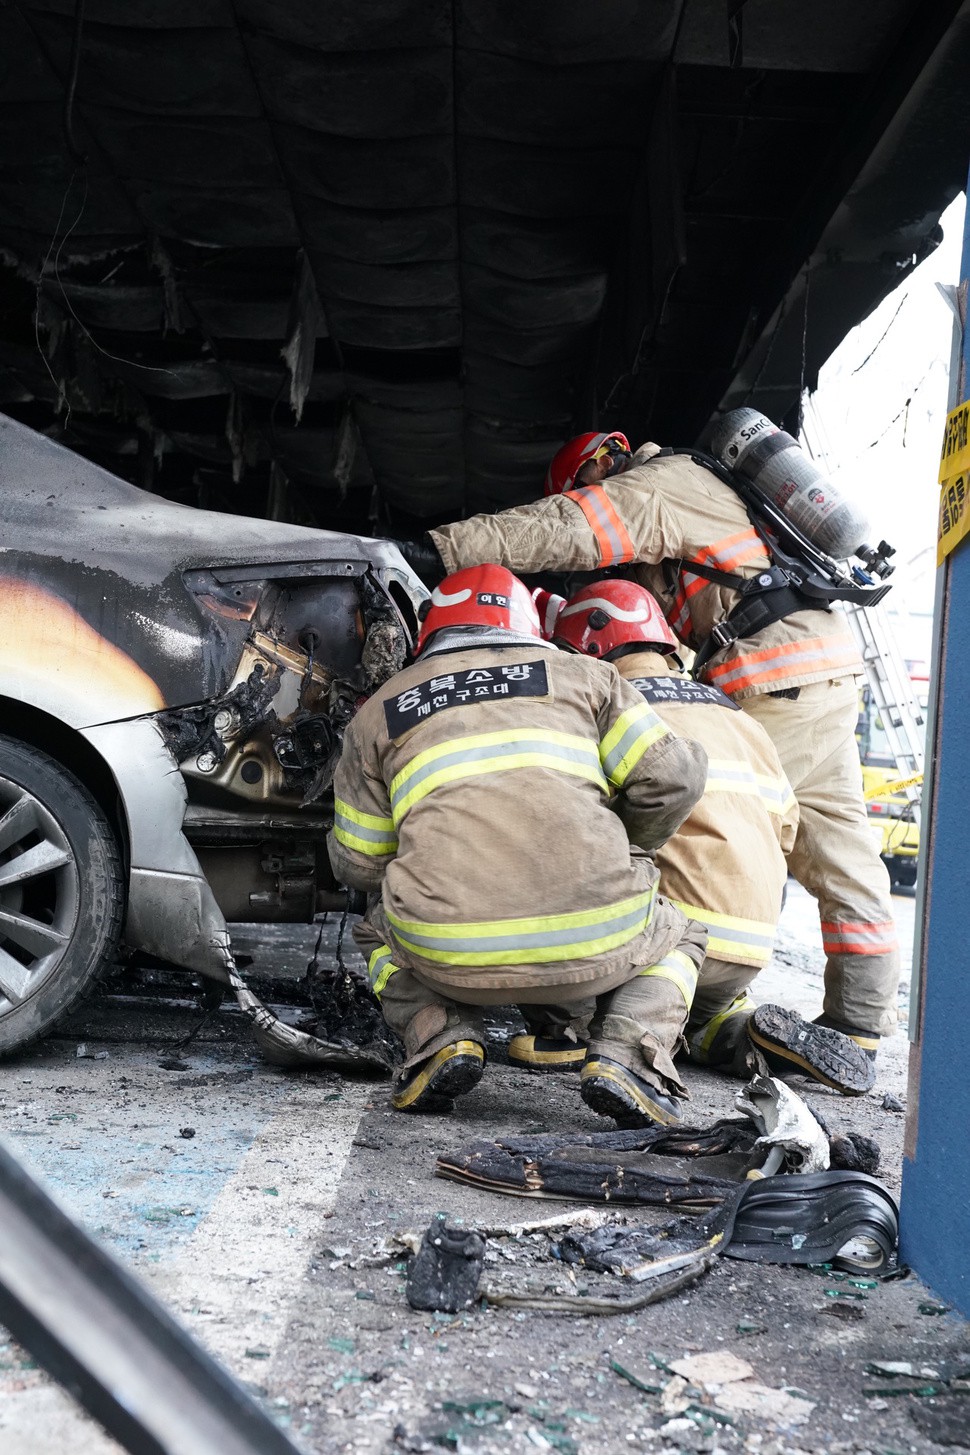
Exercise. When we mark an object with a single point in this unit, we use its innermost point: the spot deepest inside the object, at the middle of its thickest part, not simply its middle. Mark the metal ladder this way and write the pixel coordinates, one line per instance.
(899, 708)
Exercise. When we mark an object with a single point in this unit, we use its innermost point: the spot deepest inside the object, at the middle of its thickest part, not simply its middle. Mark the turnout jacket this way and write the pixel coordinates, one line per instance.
(475, 790)
(662, 516)
(725, 865)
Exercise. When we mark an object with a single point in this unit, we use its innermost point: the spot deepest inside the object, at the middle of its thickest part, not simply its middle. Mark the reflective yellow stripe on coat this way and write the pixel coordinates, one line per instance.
(366, 832)
(380, 968)
(732, 775)
(628, 739)
(729, 936)
(472, 756)
(539, 940)
(679, 969)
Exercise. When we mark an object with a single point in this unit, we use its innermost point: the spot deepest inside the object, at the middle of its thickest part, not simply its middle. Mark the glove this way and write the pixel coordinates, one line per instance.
(422, 556)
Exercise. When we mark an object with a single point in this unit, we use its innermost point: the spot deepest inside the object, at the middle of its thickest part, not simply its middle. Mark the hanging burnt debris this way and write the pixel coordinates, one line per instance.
(202, 731)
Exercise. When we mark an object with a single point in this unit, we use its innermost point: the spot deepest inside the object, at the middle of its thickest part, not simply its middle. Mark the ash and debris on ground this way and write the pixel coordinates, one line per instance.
(755, 1358)
(492, 1379)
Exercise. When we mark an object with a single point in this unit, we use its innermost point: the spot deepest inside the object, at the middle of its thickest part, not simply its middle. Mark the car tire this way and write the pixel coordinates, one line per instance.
(62, 892)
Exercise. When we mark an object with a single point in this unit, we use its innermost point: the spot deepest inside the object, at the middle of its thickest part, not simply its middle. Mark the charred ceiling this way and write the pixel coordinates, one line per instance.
(365, 264)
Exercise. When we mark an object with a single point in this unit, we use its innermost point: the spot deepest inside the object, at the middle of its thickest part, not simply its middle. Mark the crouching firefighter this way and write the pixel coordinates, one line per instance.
(741, 596)
(451, 773)
(725, 865)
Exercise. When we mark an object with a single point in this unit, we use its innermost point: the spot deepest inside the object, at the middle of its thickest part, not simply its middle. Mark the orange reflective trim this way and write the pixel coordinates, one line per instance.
(679, 614)
(858, 937)
(615, 545)
(753, 669)
(725, 555)
(735, 550)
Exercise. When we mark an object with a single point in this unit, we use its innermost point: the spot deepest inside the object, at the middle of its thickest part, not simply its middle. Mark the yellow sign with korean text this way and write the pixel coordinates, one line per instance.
(954, 478)
(954, 515)
(955, 454)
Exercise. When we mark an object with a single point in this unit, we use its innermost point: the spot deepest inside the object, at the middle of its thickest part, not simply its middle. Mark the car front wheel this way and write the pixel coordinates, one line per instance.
(62, 892)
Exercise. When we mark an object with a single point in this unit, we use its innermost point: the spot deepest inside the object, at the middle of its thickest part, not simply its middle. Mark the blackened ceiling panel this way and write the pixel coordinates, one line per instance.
(368, 262)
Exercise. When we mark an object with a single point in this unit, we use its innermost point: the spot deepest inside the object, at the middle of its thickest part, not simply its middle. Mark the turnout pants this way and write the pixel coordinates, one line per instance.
(716, 1025)
(835, 855)
(638, 1022)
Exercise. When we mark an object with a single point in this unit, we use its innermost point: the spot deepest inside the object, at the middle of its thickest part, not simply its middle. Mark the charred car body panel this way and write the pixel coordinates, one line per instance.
(160, 635)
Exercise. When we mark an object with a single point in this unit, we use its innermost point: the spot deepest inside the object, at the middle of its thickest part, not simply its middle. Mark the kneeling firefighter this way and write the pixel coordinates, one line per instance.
(731, 593)
(451, 773)
(725, 865)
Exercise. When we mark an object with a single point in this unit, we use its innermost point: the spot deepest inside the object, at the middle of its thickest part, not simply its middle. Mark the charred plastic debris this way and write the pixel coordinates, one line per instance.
(274, 738)
(770, 1186)
(656, 1210)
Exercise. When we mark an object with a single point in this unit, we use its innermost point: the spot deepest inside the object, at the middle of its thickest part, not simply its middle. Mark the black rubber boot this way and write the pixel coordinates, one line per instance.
(791, 1045)
(868, 1040)
(547, 1053)
(433, 1084)
(615, 1091)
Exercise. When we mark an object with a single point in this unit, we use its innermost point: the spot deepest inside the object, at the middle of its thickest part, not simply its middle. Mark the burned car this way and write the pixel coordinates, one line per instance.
(173, 686)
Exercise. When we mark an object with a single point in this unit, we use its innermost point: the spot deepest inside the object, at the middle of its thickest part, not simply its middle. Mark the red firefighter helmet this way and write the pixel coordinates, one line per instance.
(611, 614)
(567, 462)
(548, 605)
(480, 596)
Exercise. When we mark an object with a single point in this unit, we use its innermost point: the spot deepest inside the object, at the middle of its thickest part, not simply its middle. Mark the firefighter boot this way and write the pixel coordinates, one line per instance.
(613, 1090)
(868, 1040)
(556, 1037)
(547, 1053)
(721, 1042)
(433, 1084)
(791, 1045)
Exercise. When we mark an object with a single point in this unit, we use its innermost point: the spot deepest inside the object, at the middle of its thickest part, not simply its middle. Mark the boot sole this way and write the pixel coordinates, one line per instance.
(607, 1091)
(799, 1045)
(451, 1072)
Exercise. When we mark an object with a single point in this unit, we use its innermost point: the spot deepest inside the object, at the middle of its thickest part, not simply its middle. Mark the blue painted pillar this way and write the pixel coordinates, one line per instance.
(935, 1211)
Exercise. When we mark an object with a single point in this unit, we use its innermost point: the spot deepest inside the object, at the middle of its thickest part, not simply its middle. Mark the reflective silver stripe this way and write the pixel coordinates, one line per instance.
(500, 939)
(721, 939)
(703, 1038)
(589, 758)
(754, 938)
(605, 524)
(682, 618)
(679, 969)
(643, 727)
(863, 938)
(361, 831)
(780, 794)
(799, 662)
(380, 968)
(739, 937)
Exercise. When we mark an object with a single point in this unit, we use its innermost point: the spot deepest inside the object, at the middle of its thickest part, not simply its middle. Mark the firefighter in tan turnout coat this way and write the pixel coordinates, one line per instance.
(664, 515)
(450, 775)
(725, 865)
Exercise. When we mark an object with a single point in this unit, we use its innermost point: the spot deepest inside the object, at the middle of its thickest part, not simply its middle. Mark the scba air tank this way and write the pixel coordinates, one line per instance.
(749, 443)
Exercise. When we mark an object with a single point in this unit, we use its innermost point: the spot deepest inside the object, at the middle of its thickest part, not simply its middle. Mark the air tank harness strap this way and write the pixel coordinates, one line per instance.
(765, 599)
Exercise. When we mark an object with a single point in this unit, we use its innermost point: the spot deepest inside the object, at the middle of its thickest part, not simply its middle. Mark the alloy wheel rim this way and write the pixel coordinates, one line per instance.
(39, 894)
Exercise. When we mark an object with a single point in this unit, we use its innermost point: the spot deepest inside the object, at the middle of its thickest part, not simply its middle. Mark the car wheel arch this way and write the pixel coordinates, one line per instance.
(73, 751)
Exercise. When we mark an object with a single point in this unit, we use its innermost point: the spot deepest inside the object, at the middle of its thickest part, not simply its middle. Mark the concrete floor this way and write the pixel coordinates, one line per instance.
(257, 1203)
